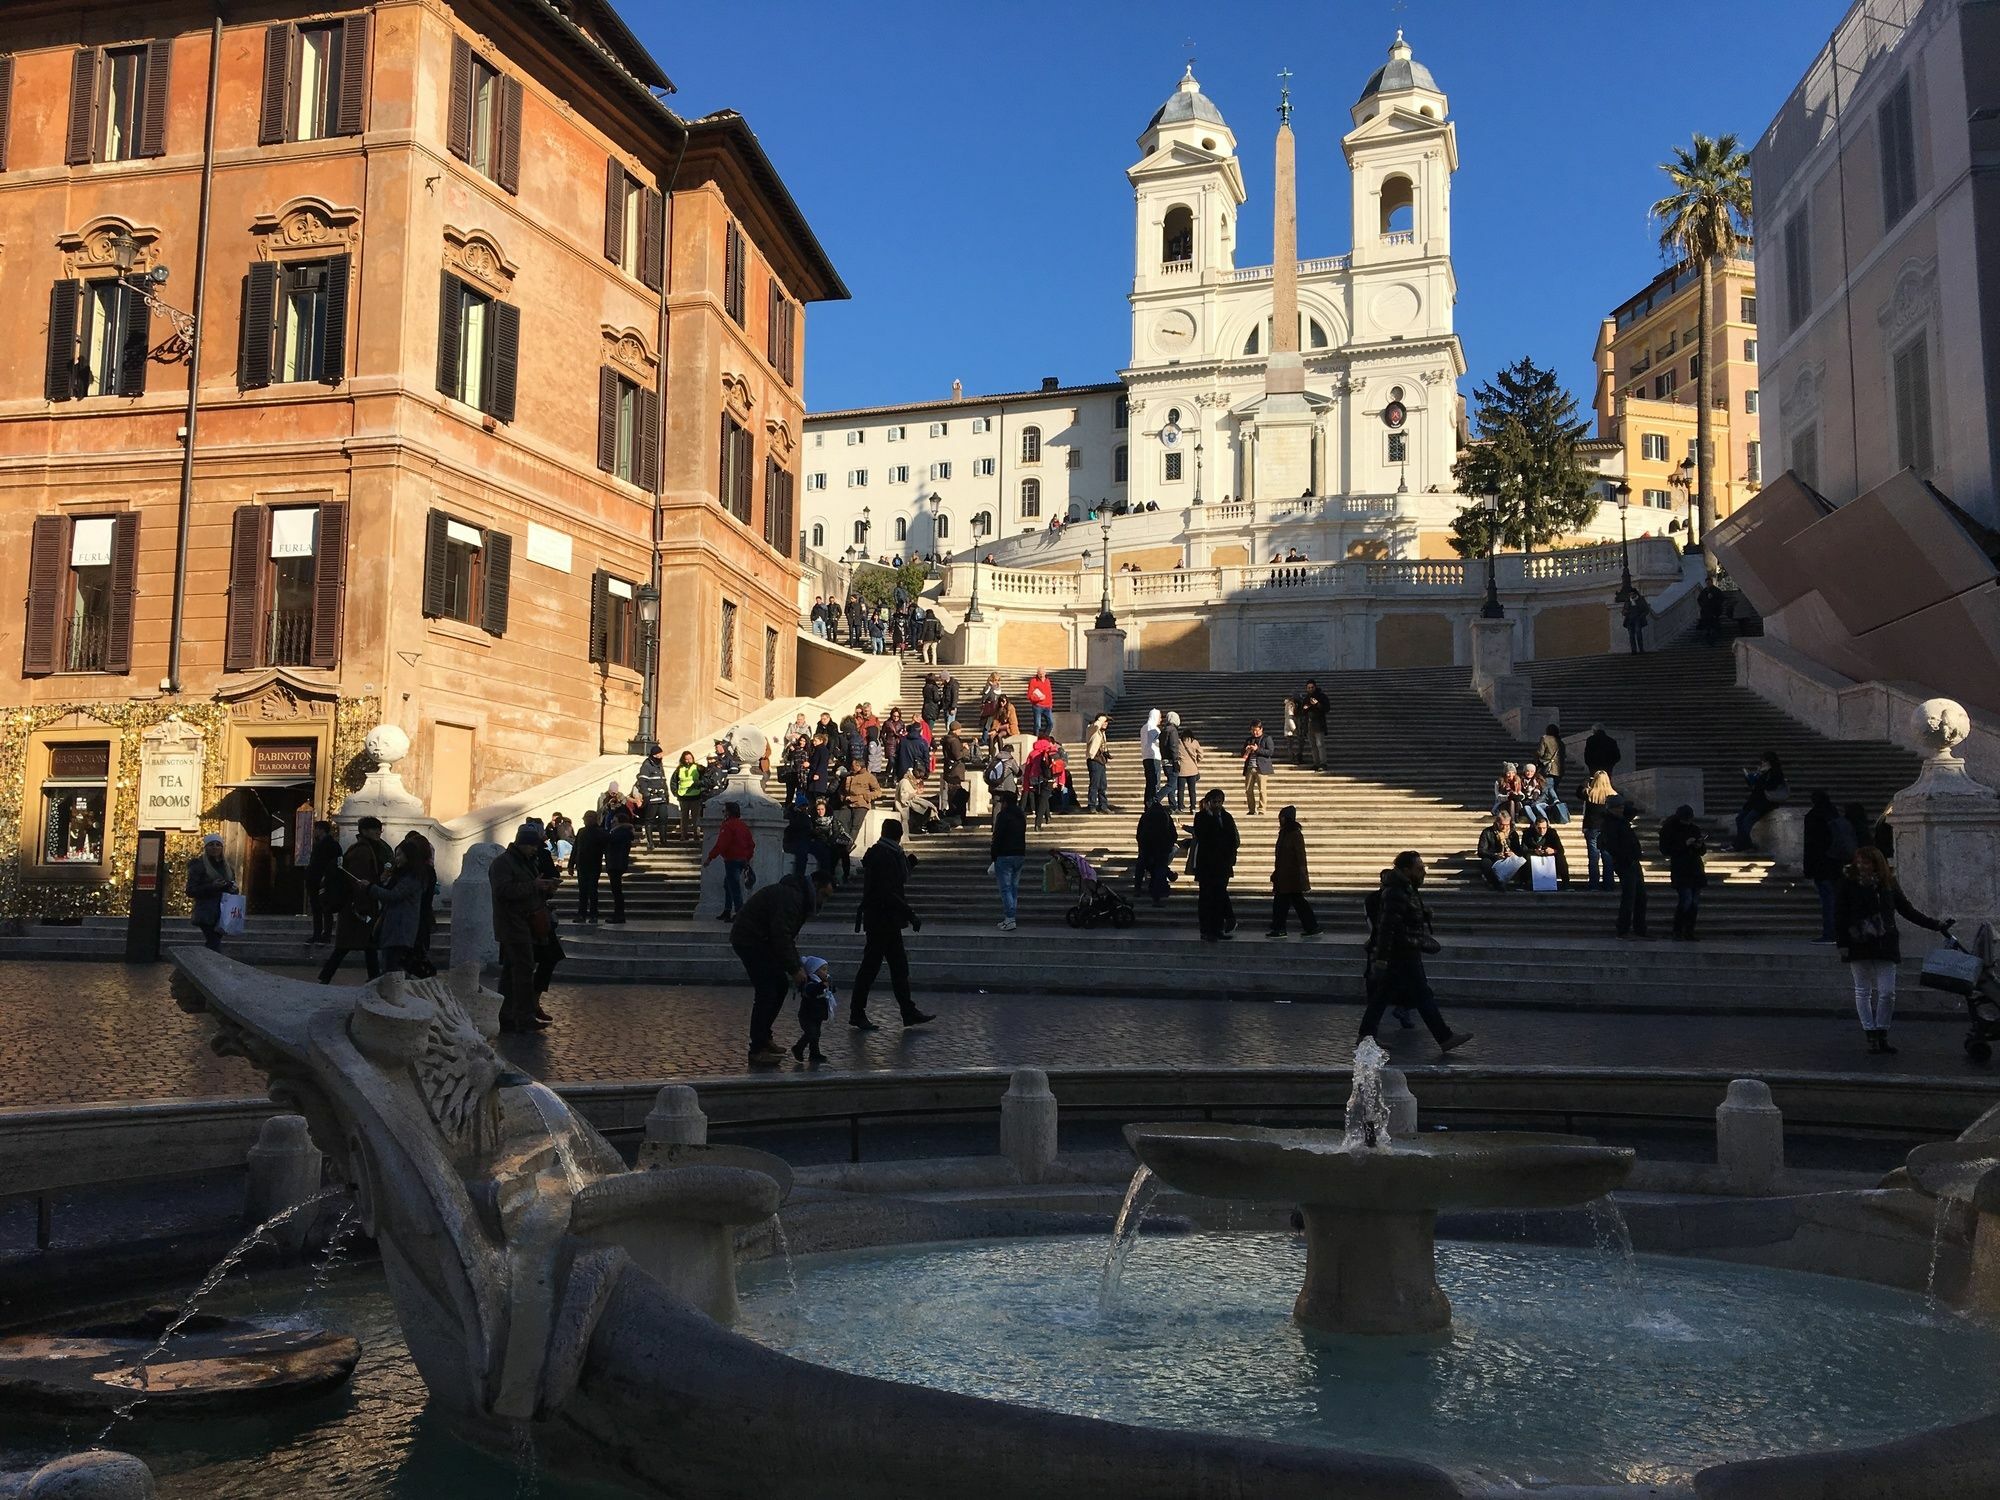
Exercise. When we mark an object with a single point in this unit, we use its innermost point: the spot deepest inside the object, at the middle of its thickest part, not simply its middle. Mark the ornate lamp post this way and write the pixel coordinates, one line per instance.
(867, 527)
(972, 614)
(124, 255)
(1105, 619)
(1491, 609)
(647, 598)
(937, 505)
(1623, 494)
(1682, 479)
(1197, 473)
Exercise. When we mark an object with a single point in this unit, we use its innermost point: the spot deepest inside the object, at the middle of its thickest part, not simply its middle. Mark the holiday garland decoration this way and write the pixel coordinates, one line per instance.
(22, 895)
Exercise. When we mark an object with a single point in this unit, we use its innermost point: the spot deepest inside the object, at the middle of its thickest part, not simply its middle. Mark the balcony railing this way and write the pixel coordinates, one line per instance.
(1177, 268)
(83, 644)
(1399, 237)
(289, 638)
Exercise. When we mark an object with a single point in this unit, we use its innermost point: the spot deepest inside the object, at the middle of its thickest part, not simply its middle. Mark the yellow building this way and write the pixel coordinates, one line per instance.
(1647, 368)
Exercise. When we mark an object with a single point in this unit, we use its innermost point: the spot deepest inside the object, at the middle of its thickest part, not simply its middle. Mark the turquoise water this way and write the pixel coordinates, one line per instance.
(1562, 1366)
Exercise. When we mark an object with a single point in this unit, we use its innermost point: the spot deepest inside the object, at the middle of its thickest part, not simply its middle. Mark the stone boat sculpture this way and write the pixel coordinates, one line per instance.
(542, 1285)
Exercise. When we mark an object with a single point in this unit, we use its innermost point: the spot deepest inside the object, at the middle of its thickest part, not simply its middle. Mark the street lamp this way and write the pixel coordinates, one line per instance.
(1682, 479)
(1105, 619)
(1623, 494)
(1491, 609)
(1197, 472)
(937, 504)
(647, 598)
(867, 527)
(125, 255)
(972, 614)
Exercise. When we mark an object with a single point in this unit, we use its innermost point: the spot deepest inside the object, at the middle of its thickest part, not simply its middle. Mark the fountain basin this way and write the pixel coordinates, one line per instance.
(1371, 1215)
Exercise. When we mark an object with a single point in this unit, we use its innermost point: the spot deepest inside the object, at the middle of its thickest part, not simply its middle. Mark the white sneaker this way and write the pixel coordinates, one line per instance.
(1006, 924)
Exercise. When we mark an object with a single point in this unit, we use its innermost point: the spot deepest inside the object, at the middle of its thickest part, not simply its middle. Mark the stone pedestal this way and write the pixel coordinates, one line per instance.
(1028, 1124)
(472, 939)
(676, 1118)
(382, 793)
(1284, 447)
(1371, 1273)
(1664, 788)
(1749, 1137)
(767, 825)
(1104, 663)
(1781, 833)
(284, 1171)
(981, 640)
(1947, 827)
(1492, 652)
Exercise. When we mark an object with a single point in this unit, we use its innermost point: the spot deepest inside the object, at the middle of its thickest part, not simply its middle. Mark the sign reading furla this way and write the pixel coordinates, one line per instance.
(170, 767)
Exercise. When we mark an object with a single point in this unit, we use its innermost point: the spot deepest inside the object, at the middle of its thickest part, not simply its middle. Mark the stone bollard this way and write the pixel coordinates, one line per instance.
(1028, 1124)
(1402, 1104)
(1749, 1137)
(101, 1474)
(676, 1118)
(472, 939)
(284, 1170)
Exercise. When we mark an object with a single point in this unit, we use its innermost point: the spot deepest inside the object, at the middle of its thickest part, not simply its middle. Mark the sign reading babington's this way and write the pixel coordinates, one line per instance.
(288, 758)
(170, 761)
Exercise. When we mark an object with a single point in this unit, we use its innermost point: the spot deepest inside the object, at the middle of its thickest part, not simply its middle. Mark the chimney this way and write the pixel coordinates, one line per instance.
(1051, 382)
(958, 390)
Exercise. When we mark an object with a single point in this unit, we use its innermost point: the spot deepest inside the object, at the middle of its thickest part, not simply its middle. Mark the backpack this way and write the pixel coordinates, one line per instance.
(1055, 768)
(997, 772)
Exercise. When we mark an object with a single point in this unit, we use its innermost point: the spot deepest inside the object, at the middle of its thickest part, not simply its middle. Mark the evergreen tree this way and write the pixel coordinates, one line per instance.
(1524, 450)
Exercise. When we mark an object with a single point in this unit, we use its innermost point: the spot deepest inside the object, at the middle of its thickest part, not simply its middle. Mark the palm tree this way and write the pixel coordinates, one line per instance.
(1704, 220)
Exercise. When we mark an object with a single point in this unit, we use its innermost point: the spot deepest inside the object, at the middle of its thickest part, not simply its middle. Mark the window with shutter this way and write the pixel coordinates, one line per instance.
(506, 360)
(507, 168)
(458, 114)
(437, 563)
(1912, 379)
(614, 212)
(607, 419)
(47, 561)
(770, 496)
(735, 255)
(153, 122)
(333, 343)
(59, 380)
(772, 299)
(653, 241)
(80, 142)
(260, 317)
(647, 461)
(349, 117)
(451, 311)
(276, 95)
(329, 584)
(124, 593)
(249, 546)
(137, 321)
(499, 560)
(6, 105)
(599, 607)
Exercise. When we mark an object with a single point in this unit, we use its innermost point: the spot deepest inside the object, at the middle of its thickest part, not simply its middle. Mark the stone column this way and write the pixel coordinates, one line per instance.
(1492, 652)
(472, 939)
(1947, 826)
(1028, 1124)
(1103, 674)
(1749, 1137)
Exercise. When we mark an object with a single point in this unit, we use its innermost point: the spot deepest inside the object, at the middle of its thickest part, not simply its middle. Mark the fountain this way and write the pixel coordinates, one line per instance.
(1370, 1204)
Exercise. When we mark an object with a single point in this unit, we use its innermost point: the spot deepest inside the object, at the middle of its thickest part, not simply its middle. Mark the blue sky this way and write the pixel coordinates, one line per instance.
(963, 163)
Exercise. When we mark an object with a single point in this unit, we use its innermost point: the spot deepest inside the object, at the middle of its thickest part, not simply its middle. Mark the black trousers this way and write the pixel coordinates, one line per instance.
(616, 875)
(517, 986)
(1631, 899)
(587, 877)
(1212, 907)
(339, 956)
(322, 916)
(768, 985)
(1292, 901)
(1404, 984)
(881, 946)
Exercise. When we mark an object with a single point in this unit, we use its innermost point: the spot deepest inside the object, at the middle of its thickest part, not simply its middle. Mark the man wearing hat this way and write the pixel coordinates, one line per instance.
(521, 922)
(651, 785)
(365, 865)
(208, 881)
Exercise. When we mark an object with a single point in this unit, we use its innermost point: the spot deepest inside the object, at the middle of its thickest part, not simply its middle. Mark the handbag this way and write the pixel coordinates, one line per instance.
(1506, 869)
(1952, 970)
(1558, 811)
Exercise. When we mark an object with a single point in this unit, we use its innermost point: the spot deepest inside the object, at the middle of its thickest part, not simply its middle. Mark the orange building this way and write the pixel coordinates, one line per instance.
(419, 248)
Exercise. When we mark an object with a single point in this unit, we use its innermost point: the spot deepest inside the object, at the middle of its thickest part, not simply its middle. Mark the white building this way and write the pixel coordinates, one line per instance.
(1376, 338)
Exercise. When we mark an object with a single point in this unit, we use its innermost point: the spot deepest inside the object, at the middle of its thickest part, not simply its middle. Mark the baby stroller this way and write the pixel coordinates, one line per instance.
(1096, 902)
(1968, 972)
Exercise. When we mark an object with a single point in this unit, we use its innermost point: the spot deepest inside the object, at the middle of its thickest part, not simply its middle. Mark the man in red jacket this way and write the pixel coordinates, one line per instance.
(1042, 700)
(735, 846)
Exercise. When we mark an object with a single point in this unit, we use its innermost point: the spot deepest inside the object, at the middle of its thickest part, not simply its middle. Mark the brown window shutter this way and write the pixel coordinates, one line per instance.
(434, 547)
(449, 296)
(82, 107)
(272, 124)
(600, 607)
(742, 277)
(138, 344)
(614, 211)
(507, 171)
(607, 419)
(745, 459)
(159, 69)
(329, 584)
(732, 247)
(348, 118)
(47, 557)
(647, 442)
(771, 321)
(722, 476)
(770, 495)
(260, 320)
(339, 272)
(124, 592)
(59, 381)
(653, 241)
(249, 543)
(499, 562)
(791, 343)
(506, 360)
(458, 121)
(6, 105)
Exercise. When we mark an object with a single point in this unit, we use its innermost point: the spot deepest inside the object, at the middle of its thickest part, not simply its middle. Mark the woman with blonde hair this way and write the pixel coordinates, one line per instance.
(1865, 908)
(1596, 792)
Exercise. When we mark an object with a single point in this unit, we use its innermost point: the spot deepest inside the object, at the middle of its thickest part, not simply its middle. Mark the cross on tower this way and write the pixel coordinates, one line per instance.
(1284, 96)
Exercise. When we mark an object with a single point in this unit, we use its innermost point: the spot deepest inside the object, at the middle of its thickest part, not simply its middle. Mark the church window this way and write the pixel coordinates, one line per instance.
(1315, 334)
(1399, 447)
(1252, 344)
(860, 533)
(902, 529)
(1031, 498)
(1399, 206)
(1073, 459)
(940, 528)
(1177, 236)
(1173, 472)
(1031, 445)
(1121, 464)
(1121, 416)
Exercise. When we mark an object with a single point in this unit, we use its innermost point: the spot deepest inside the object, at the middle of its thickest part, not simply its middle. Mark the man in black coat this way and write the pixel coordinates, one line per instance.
(320, 868)
(651, 784)
(1157, 837)
(1400, 938)
(882, 915)
(1619, 845)
(586, 862)
(1600, 753)
(765, 936)
(1215, 847)
(1311, 713)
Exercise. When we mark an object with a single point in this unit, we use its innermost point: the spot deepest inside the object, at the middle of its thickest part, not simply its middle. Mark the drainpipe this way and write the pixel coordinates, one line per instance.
(649, 686)
(193, 415)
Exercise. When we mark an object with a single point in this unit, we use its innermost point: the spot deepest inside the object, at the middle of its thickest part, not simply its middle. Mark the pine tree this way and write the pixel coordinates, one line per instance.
(1525, 451)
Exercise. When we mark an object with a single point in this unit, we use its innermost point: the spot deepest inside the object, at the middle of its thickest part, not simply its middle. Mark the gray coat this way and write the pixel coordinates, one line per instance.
(402, 902)
(208, 882)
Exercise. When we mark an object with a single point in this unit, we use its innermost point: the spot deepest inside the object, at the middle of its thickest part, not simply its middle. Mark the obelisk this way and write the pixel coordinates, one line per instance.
(1283, 465)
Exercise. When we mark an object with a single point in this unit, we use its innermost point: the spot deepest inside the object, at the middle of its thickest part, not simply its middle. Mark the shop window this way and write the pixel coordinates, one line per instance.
(75, 797)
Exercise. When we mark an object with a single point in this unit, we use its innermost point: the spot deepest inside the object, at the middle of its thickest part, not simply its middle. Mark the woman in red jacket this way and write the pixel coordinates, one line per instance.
(1042, 699)
(735, 846)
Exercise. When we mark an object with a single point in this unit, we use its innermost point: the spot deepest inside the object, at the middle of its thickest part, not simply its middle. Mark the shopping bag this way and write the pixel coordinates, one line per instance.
(1951, 970)
(1558, 811)
(231, 924)
(1544, 868)
(1506, 869)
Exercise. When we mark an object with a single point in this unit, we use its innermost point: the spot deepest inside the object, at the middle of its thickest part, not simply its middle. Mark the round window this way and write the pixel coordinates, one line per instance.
(1208, 143)
(1395, 393)
(1173, 416)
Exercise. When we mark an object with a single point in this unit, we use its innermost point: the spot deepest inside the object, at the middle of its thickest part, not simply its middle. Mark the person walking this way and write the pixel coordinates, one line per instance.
(1311, 707)
(1157, 838)
(1042, 701)
(1682, 843)
(1187, 755)
(1149, 754)
(1216, 844)
(651, 785)
(881, 918)
(405, 897)
(364, 865)
(208, 881)
(1865, 910)
(321, 869)
(1830, 842)
(1596, 793)
(1401, 939)
(1638, 614)
(586, 862)
(521, 920)
(1170, 764)
(685, 783)
(1621, 849)
(1256, 766)
(765, 936)
(859, 793)
(1290, 880)
(1097, 760)
(618, 837)
(736, 847)
(1600, 753)
(1009, 852)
